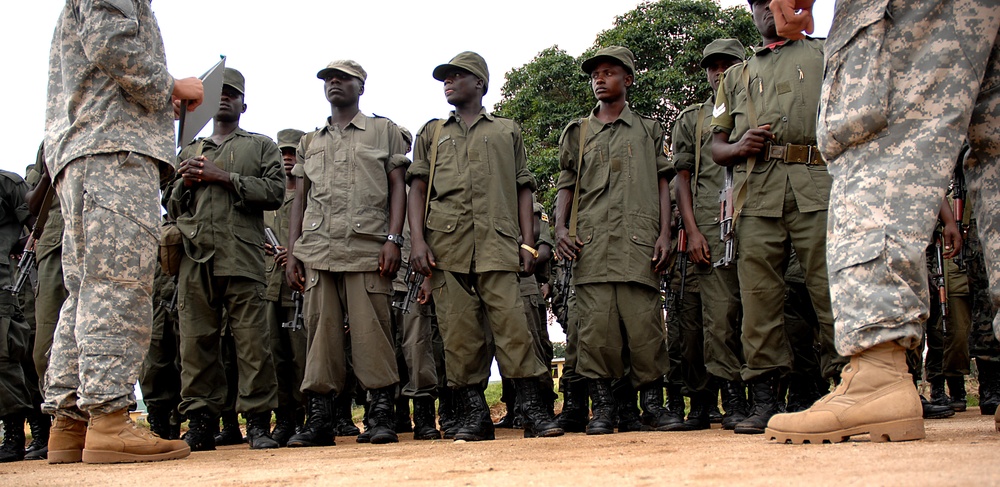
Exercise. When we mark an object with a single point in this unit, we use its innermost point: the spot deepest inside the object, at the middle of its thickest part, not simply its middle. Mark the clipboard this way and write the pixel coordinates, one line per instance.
(192, 122)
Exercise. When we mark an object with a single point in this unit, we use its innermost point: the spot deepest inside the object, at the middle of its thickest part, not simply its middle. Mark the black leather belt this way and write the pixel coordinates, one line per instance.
(794, 154)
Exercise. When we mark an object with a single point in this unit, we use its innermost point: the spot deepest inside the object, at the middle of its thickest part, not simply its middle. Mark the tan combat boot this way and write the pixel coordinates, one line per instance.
(875, 396)
(66, 439)
(114, 438)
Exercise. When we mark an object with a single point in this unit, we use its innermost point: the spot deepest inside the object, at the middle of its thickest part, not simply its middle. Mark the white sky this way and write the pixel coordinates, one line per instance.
(279, 47)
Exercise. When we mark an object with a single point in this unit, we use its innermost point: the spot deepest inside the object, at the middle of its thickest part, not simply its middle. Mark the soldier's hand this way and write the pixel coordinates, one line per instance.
(791, 17)
(421, 257)
(527, 262)
(389, 259)
(752, 142)
(188, 171)
(295, 274)
(210, 173)
(546, 290)
(188, 89)
(424, 293)
(661, 253)
(281, 258)
(698, 250)
(951, 240)
(567, 248)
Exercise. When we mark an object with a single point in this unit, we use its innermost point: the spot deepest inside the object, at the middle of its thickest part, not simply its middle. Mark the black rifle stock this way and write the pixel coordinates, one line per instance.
(726, 234)
(959, 195)
(24, 267)
(413, 282)
(939, 281)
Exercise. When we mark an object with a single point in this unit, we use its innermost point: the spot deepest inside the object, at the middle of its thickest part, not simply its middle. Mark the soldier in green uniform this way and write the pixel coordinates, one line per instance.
(470, 177)
(108, 132)
(225, 184)
(288, 344)
(346, 233)
(15, 396)
(623, 240)
(160, 376)
(700, 182)
(765, 127)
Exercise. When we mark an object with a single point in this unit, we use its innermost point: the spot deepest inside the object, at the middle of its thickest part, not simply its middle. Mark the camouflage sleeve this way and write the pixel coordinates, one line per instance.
(109, 32)
(524, 176)
(266, 192)
(683, 140)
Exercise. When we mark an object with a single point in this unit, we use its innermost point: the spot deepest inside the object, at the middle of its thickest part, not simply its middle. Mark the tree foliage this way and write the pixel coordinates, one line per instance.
(667, 38)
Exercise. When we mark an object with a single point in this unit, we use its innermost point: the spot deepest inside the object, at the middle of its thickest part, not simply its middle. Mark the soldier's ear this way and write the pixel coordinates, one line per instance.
(362, 91)
(629, 80)
(244, 108)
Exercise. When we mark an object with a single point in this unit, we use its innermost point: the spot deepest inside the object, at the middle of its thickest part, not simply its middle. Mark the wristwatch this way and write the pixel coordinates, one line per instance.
(531, 250)
(396, 239)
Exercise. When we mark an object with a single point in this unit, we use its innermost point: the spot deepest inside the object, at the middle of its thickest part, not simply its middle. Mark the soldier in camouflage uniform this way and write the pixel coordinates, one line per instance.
(928, 72)
(288, 345)
(108, 142)
(15, 396)
(224, 185)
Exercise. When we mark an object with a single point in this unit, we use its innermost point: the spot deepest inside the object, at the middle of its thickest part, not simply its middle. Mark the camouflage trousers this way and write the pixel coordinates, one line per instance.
(905, 85)
(112, 220)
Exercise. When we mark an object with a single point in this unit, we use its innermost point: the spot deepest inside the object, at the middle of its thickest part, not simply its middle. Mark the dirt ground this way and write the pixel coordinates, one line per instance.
(962, 450)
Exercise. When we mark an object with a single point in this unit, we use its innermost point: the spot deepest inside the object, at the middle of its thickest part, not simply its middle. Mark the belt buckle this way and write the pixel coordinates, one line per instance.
(776, 152)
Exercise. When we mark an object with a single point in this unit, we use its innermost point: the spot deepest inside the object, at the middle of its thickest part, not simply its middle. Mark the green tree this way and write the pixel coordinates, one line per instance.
(667, 38)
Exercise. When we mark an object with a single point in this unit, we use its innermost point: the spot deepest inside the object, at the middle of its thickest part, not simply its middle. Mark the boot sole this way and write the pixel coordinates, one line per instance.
(65, 456)
(102, 456)
(901, 430)
(549, 433)
(467, 437)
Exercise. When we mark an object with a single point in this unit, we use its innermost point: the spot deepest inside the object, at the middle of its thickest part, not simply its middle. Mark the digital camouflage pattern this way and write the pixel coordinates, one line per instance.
(983, 344)
(892, 146)
(110, 242)
(109, 89)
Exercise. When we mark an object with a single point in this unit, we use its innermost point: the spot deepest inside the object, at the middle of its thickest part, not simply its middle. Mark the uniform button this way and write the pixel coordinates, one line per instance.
(192, 233)
(715, 220)
(313, 279)
(314, 224)
(449, 227)
(635, 237)
(358, 225)
(784, 119)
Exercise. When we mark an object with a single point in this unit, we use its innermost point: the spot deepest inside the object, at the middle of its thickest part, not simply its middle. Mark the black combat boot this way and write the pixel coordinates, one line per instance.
(476, 422)
(573, 418)
(933, 411)
(284, 426)
(343, 421)
(423, 419)
(602, 421)
(366, 435)
(734, 403)
(259, 431)
(318, 430)
(159, 422)
(765, 405)
(381, 416)
(538, 418)
(202, 427)
(230, 434)
(671, 417)
(698, 417)
(12, 448)
(989, 386)
(510, 399)
(402, 411)
(714, 415)
(938, 396)
(507, 421)
(956, 386)
(39, 423)
(802, 393)
(449, 412)
(626, 408)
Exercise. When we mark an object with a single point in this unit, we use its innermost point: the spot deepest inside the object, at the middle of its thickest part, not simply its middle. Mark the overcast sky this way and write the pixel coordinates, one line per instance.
(279, 47)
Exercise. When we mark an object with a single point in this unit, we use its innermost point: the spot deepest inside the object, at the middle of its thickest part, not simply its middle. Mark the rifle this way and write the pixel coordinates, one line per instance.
(564, 289)
(939, 280)
(272, 239)
(413, 282)
(297, 322)
(682, 258)
(24, 267)
(726, 233)
(959, 194)
(172, 305)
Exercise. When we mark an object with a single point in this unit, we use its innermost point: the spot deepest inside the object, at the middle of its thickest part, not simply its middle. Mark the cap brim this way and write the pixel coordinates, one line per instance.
(705, 59)
(233, 87)
(323, 72)
(441, 72)
(589, 65)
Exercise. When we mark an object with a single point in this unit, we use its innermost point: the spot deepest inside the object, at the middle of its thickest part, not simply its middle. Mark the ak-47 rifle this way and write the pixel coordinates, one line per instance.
(939, 280)
(682, 258)
(564, 289)
(959, 193)
(172, 305)
(413, 280)
(726, 233)
(272, 239)
(24, 267)
(297, 322)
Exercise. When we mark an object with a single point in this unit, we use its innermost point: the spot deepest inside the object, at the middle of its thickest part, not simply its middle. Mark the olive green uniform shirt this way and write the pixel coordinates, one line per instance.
(278, 221)
(13, 216)
(227, 226)
(785, 88)
(472, 225)
(707, 177)
(619, 212)
(346, 219)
